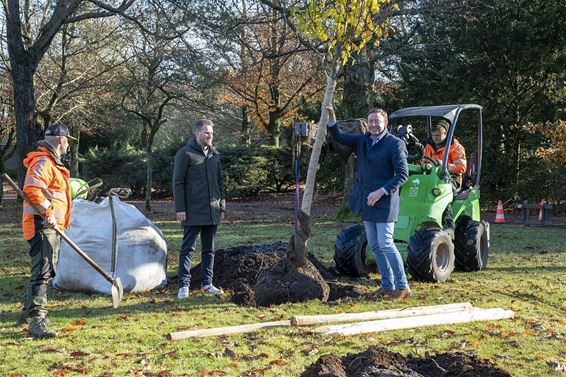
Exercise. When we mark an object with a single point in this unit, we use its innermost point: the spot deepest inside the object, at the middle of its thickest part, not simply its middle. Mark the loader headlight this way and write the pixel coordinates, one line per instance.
(436, 191)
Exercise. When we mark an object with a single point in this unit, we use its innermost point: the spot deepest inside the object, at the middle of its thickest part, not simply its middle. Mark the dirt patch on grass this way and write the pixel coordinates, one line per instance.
(377, 361)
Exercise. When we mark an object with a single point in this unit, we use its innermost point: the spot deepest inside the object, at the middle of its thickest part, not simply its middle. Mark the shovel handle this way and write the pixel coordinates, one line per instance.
(73, 245)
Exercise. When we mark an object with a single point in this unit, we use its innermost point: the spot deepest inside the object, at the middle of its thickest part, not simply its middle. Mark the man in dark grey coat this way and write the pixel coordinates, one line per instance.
(198, 191)
(382, 169)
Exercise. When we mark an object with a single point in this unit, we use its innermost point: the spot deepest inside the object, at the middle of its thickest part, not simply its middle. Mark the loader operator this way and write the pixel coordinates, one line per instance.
(456, 161)
(47, 185)
(436, 147)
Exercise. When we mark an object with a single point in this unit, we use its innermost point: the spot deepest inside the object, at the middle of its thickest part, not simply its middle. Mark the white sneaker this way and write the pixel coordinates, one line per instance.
(212, 289)
(183, 293)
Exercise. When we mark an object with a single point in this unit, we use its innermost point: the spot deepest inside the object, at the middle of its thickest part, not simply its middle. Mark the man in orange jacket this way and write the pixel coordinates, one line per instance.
(456, 162)
(47, 185)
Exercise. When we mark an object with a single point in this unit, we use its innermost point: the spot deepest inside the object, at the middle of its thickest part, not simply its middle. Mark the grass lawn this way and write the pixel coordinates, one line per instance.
(526, 273)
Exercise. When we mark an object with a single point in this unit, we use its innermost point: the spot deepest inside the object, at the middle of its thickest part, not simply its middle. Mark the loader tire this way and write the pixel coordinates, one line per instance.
(471, 246)
(350, 252)
(430, 255)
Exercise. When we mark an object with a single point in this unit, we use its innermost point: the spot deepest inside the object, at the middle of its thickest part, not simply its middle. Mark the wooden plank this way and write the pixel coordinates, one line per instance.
(302, 320)
(225, 330)
(475, 314)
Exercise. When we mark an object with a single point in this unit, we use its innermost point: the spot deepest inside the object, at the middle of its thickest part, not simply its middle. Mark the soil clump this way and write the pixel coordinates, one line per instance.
(237, 270)
(379, 362)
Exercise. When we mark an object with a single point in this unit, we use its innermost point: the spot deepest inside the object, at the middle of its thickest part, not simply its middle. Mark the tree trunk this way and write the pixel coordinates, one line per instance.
(275, 127)
(246, 126)
(358, 81)
(75, 152)
(320, 137)
(1, 179)
(149, 177)
(27, 131)
(349, 179)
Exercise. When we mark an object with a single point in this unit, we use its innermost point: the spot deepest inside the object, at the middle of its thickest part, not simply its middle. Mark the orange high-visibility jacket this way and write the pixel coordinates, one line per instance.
(47, 186)
(456, 157)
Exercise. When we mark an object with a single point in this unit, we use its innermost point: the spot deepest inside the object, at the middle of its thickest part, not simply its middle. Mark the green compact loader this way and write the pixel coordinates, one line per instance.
(430, 249)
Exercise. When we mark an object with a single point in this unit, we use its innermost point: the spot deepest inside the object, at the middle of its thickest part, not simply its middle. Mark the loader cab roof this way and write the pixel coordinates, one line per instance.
(449, 112)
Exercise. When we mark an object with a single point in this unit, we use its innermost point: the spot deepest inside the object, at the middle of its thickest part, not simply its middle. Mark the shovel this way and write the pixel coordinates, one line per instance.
(117, 290)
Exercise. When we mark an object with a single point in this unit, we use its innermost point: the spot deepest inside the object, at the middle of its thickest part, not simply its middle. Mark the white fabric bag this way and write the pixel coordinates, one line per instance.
(141, 251)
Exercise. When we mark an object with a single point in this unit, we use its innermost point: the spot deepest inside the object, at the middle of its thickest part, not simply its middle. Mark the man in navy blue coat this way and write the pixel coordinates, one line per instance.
(382, 169)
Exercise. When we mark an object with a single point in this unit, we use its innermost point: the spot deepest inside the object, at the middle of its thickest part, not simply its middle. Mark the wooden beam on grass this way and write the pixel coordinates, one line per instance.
(303, 320)
(225, 330)
(476, 314)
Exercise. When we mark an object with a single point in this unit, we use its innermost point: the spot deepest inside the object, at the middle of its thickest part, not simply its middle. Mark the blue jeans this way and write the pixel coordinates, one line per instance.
(207, 237)
(388, 258)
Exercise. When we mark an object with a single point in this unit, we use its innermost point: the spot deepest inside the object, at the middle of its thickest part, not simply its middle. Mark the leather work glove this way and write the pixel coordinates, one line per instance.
(451, 168)
(50, 222)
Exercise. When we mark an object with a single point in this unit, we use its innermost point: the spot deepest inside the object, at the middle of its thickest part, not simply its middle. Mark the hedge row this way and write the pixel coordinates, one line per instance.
(248, 170)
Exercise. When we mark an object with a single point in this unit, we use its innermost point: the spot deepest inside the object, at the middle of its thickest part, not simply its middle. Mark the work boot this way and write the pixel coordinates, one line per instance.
(402, 293)
(38, 329)
(24, 319)
(209, 288)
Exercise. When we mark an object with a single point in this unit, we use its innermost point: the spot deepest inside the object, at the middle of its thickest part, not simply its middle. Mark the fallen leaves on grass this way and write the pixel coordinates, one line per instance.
(52, 349)
(255, 372)
(230, 353)
(173, 354)
(78, 354)
(214, 372)
(504, 357)
(60, 372)
(279, 362)
(15, 374)
(313, 349)
(226, 341)
(447, 333)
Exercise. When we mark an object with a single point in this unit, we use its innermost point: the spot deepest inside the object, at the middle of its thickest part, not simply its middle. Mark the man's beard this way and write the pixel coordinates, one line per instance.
(66, 156)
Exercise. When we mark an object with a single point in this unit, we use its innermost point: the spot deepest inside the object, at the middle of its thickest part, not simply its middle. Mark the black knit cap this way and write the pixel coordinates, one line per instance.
(59, 129)
(442, 123)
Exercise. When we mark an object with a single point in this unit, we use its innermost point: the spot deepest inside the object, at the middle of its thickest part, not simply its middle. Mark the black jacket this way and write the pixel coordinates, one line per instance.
(198, 185)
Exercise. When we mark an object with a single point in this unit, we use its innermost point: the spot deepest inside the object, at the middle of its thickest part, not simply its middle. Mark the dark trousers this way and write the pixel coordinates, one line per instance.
(207, 238)
(44, 253)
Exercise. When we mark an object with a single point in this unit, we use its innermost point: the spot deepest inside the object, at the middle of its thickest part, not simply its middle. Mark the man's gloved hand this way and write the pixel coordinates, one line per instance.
(451, 168)
(50, 222)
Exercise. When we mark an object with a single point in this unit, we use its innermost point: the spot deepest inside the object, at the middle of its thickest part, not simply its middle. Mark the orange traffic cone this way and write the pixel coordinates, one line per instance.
(540, 217)
(500, 214)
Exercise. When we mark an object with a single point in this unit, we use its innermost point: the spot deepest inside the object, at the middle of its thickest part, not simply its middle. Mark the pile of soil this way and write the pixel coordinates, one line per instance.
(237, 269)
(378, 362)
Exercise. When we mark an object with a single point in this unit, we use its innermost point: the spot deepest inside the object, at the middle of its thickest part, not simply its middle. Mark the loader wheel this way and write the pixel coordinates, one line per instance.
(350, 252)
(430, 255)
(471, 246)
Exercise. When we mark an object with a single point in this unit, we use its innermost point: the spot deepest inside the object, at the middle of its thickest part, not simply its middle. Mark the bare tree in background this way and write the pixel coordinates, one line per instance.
(27, 47)
(152, 82)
